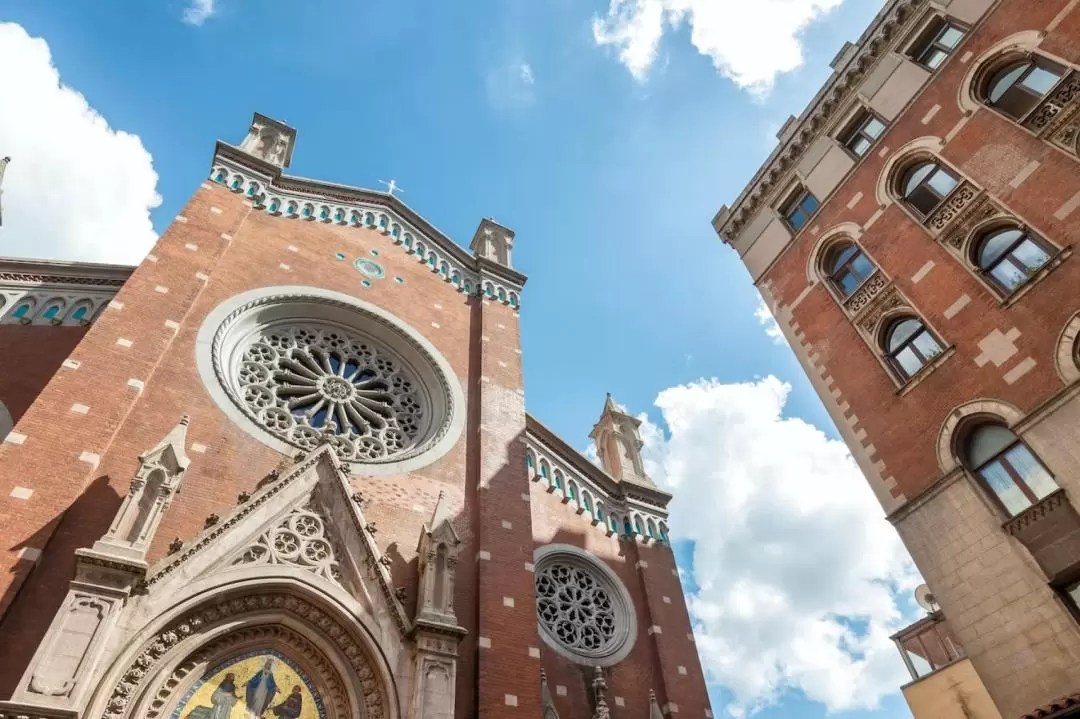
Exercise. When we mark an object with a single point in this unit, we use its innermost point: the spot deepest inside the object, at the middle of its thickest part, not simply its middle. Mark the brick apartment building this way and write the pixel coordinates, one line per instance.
(283, 467)
(913, 234)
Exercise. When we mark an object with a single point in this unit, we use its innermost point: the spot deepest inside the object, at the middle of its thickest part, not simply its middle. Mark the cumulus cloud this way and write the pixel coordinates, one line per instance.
(76, 189)
(798, 573)
(765, 317)
(749, 42)
(198, 11)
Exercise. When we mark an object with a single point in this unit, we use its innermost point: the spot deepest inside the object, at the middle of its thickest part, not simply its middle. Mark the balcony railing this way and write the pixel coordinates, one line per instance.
(928, 645)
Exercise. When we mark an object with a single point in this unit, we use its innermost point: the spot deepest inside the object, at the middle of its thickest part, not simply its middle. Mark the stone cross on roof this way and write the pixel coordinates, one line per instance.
(3, 166)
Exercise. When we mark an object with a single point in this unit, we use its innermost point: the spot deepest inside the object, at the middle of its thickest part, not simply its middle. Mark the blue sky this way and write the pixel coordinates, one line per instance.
(609, 172)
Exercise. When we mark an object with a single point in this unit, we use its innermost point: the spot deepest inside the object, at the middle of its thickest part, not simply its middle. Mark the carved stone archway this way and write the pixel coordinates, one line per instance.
(149, 680)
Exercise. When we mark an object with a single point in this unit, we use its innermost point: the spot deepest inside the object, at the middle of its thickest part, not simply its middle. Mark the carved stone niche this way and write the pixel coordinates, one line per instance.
(61, 674)
(1051, 532)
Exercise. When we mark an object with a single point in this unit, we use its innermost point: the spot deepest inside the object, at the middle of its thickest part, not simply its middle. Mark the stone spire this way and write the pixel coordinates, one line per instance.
(156, 481)
(438, 555)
(618, 444)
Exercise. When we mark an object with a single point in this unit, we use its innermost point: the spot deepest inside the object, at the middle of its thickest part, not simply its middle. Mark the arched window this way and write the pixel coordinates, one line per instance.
(52, 311)
(663, 532)
(1017, 88)
(650, 526)
(847, 267)
(926, 186)
(557, 481)
(614, 523)
(22, 310)
(529, 461)
(1010, 255)
(571, 491)
(909, 346)
(80, 313)
(544, 468)
(639, 528)
(586, 502)
(1008, 467)
(627, 529)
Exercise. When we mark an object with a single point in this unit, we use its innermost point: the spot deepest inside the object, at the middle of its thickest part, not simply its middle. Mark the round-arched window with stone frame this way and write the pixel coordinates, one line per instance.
(583, 610)
(300, 366)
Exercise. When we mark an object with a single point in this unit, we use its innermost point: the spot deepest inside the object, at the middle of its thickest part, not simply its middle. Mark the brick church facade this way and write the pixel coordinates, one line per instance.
(283, 468)
(913, 234)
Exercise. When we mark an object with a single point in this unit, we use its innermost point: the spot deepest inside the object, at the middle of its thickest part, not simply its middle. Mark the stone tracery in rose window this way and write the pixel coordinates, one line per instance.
(303, 382)
(300, 540)
(576, 608)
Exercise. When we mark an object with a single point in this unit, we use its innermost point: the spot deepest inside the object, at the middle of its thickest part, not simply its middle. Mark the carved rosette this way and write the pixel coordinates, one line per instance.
(865, 293)
(1052, 110)
(953, 207)
(885, 302)
(157, 651)
(978, 211)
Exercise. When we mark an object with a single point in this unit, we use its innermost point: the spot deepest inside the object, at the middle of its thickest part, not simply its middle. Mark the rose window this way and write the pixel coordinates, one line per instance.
(581, 609)
(308, 381)
(299, 367)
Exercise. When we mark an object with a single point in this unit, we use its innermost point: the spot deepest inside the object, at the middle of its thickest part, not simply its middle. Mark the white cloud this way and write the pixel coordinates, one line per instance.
(765, 318)
(511, 86)
(76, 189)
(749, 41)
(797, 569)
(198, 12)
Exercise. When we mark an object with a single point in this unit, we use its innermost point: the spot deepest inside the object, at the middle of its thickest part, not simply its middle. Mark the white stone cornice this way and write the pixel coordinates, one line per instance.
(302, 200)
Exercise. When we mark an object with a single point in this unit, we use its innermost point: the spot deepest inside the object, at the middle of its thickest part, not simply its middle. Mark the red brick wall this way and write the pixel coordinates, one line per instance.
(74, 502)
(1020, 637)
(990, 151)
(224, 247)
(29, 357)
(649, 574)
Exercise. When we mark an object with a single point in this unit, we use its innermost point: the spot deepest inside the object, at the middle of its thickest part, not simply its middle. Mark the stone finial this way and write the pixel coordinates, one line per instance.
(654, 707)
(546, 702)
(438, 551)
(270, 141)
(599, 690)
(494, 242)
(157, 480)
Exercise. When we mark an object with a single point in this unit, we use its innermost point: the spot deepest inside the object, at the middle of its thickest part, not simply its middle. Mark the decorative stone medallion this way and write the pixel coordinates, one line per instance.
(370, 268)
(583, 610)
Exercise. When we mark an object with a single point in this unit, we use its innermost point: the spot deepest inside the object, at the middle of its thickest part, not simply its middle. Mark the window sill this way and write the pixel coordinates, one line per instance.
(926, 371)
(1055, 262)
